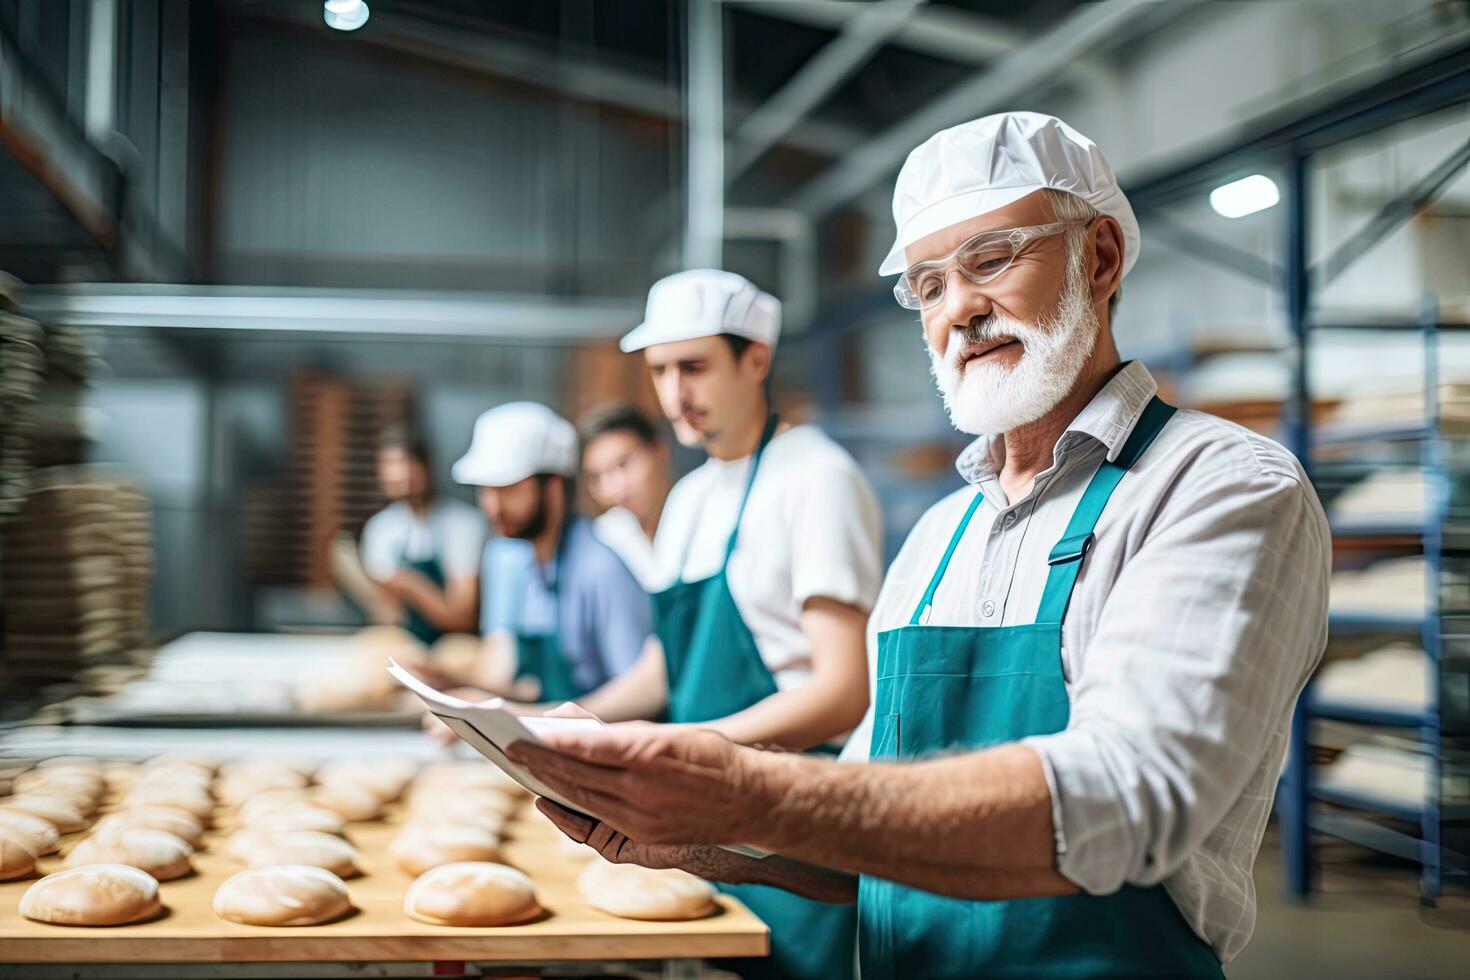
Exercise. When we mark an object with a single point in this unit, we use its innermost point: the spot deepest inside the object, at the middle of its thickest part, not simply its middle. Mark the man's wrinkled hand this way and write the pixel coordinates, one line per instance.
(655, 784)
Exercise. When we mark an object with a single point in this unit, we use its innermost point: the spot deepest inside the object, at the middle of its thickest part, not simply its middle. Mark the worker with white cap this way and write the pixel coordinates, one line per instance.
(769, 555)
(577, 617)
(1085, 661)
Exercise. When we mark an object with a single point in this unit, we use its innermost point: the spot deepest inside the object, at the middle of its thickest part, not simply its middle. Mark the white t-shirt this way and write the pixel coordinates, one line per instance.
(452, 531)
(619, 530)
(812, 528)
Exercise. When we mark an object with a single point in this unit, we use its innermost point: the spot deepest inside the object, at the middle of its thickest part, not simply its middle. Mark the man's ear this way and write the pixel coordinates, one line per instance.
(759, 355)
(1107, 271)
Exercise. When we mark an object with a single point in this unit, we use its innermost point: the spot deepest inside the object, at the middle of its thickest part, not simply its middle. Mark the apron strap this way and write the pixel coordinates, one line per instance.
(755, 464)
(1066, 557)
(954, 542)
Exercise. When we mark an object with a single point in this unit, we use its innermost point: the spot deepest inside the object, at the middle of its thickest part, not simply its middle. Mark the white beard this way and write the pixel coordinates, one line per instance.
(991, 398)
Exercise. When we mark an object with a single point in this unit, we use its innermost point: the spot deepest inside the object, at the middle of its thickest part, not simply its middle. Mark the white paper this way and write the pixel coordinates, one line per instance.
(489, 729)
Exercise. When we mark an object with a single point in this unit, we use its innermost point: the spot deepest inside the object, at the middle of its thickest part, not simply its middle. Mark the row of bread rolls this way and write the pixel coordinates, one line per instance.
(291, 839)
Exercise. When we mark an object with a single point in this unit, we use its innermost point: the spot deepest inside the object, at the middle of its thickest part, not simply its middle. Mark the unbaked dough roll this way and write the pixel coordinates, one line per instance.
(183, 826)
(422, 845)
(17, 857)
(62, 812)
(258, 848)
(300, 817)
(36, 834)
(95, 895)
(632, 892)
(157, 852)
(471, 893)
(282, 895)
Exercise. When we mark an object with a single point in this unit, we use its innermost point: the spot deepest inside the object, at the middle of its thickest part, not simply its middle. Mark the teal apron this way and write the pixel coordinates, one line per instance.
(715, 670)
(426, 632)
(539, 655)
(944, 688)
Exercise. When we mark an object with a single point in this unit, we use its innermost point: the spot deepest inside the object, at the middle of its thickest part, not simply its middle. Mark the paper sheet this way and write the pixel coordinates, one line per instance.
(489, 729)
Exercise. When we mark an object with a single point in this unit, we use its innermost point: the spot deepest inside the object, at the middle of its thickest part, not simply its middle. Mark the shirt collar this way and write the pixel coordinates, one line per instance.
(1109, 419)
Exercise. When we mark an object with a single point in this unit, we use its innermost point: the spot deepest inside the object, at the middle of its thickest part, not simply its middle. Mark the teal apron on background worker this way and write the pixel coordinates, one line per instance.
(539, 655)
(715, 670)
(413, 621)
(942, 688)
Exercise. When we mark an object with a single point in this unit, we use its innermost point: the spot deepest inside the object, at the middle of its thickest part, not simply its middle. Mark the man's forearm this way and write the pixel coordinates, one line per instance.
(807, 880)
(639, 693)
(972, 826)
(434, 604)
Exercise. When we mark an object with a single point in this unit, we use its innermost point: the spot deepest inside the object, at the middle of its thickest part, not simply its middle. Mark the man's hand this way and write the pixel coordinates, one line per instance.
(656, 784)
(699, 859)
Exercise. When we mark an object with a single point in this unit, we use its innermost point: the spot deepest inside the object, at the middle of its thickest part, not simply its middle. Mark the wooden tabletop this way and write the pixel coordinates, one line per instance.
(378, 930)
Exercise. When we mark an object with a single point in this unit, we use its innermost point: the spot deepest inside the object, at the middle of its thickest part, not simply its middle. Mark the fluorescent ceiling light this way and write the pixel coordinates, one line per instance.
(345, 15)
(1245, 196)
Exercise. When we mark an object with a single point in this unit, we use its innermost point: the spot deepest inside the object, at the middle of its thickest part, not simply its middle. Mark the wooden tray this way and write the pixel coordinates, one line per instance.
(378, 930)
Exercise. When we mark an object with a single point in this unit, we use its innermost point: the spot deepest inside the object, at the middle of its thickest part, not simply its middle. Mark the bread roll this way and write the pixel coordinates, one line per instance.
(40, 836)
(631, 892)
(463, 806)
(299, 817)
(62, 813)
(172, 760)
(237, 786)
(471, 894)
(17, 857)
(467, 774)
(176, 822)
(282, 895)
(258, 848)
(420, 845)
(95, 895)
(193, 800)
(273, 799)
(69, 762)
(157, 852)
(86, 783)
(349, 801)
(387, 779)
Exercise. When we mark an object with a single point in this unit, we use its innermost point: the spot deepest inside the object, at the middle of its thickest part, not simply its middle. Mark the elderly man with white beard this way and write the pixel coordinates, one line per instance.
(1084, 663)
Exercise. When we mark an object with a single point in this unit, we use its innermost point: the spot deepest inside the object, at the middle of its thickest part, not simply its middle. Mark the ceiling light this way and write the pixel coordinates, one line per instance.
(1245, 196)
(345, 15)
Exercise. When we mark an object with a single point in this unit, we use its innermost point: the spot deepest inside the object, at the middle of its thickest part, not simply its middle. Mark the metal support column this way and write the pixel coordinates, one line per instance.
(1295, 797)
(704, 52)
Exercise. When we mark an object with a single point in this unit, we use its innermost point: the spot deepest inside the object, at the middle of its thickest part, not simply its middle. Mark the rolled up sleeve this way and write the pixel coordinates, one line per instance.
(1205, 641)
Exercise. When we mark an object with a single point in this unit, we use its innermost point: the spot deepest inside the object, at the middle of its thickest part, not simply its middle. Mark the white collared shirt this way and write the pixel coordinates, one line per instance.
(1199, 614)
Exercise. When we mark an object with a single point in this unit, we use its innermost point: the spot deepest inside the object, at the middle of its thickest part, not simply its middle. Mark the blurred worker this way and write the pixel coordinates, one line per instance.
(575, 616)
(421, 552)
(626, 464)
(1086, 661)
(771, 556)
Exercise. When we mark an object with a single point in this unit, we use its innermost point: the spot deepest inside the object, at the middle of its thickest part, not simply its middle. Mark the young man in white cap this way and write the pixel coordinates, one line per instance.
(1083, 697)
(577, 617)
(770, 555)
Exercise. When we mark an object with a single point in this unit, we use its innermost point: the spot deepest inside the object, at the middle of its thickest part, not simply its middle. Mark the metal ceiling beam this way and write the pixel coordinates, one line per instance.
(943, 32)
(579, 79)
(1022, 72)
(859, 36)
(349, 314)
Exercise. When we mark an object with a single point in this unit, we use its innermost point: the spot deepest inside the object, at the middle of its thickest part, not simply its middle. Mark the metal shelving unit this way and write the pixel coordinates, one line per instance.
(1291, 143)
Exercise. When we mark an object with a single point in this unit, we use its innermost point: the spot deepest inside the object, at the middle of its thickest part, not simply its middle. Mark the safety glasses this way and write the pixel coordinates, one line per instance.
(982, 259)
